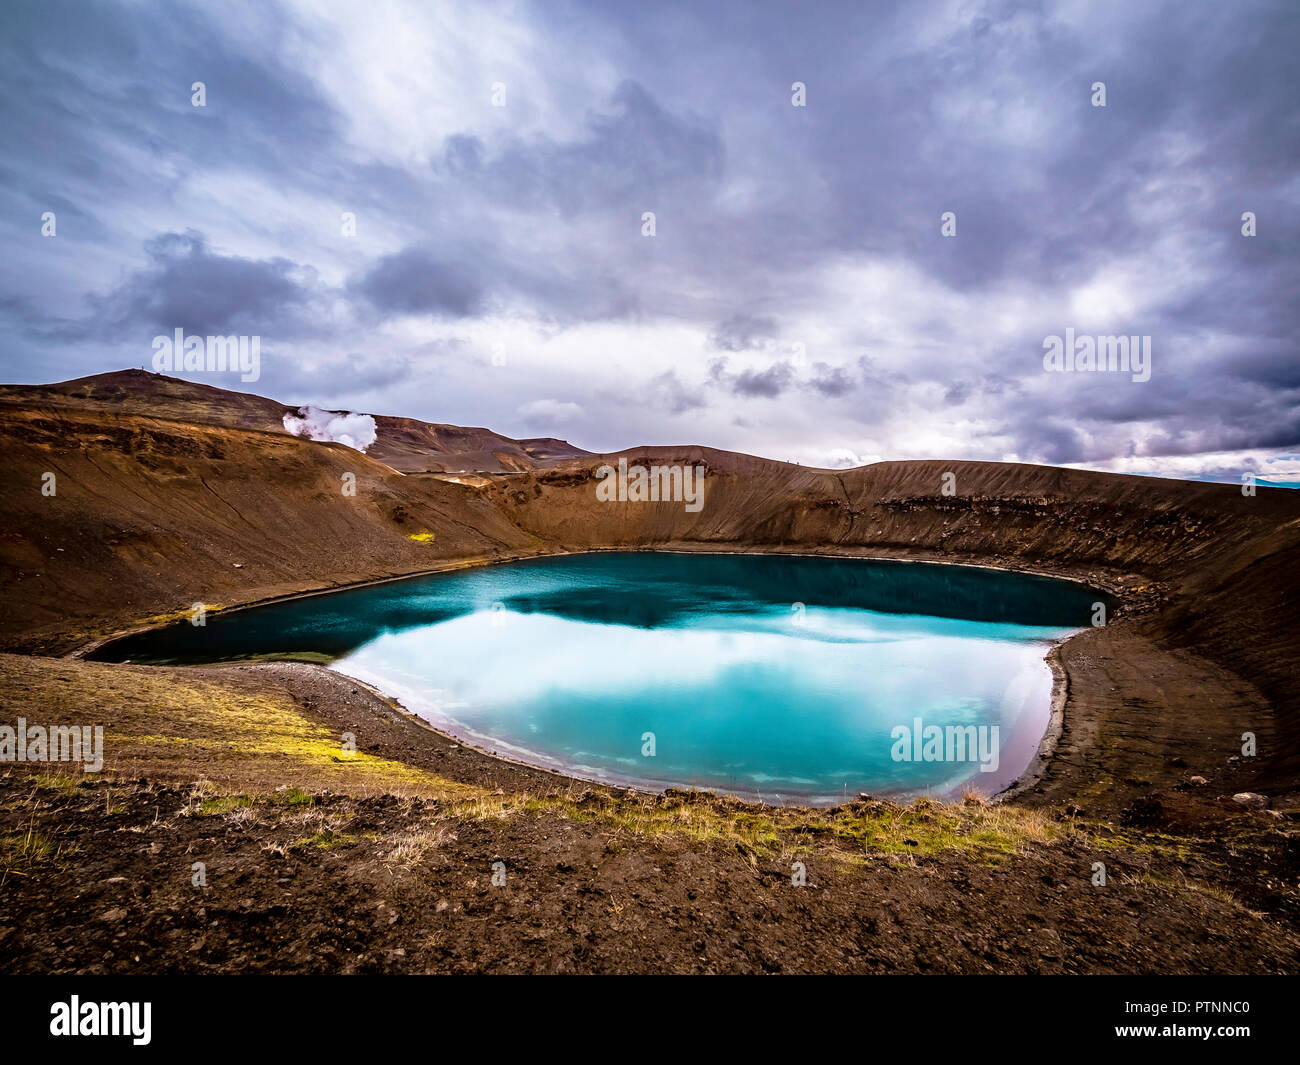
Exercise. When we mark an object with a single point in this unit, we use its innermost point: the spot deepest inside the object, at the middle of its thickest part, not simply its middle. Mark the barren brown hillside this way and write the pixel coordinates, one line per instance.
(405, 444)
(170, 493)
(150, 516)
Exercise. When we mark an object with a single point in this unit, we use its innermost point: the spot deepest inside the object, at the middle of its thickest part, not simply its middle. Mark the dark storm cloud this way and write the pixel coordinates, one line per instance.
(897, 135)
(1054, 441)
(744, 332)
(1271, 364)
(957, 393)
(767, 383)
(416, 282)
(629, 154)
(813, 229)
(831, 381)
(106, 96)
(188, 286)
(476, 279)
(184, 286)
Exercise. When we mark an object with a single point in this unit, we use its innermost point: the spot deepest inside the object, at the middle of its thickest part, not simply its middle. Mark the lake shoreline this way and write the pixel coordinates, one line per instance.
(1032, 774)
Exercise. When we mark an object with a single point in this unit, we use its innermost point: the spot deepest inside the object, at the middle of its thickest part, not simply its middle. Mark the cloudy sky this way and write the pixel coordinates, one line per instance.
(797, 299)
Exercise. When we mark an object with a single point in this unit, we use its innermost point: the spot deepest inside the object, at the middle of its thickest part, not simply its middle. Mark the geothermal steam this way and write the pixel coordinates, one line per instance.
(340, 426)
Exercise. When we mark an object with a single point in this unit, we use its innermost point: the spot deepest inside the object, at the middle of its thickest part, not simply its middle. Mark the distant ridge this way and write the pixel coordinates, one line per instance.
(406, 444)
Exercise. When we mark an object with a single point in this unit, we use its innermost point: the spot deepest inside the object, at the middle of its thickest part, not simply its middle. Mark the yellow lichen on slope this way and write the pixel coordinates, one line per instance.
(159, 722)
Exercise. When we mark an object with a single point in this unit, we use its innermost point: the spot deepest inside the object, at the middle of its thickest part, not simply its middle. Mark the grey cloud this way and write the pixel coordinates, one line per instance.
(744, 332)
(676, 397)
(1054, 441)
(631, 154)
(982, 110)
(415, 281)
(831, 381)
(106, 95)
(766, 384)
(187, 286)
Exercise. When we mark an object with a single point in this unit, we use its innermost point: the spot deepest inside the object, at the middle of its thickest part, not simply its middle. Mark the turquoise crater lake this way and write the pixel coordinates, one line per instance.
(788, 679)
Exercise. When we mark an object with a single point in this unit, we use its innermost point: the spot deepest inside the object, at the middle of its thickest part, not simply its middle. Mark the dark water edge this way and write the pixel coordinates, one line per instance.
(667, 589)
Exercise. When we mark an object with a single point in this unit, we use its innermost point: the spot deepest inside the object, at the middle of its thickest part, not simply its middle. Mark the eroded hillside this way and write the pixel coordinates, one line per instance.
(169, 494)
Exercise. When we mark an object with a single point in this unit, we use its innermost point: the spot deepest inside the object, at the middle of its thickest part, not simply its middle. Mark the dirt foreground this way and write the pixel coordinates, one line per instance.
(230, 833)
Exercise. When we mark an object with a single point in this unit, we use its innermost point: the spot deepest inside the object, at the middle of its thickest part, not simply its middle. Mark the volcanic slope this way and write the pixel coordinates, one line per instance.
(170, 493)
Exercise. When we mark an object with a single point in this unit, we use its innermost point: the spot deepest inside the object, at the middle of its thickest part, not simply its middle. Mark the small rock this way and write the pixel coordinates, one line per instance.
(114, 914)
(1252, 799)
(1198, 781)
